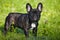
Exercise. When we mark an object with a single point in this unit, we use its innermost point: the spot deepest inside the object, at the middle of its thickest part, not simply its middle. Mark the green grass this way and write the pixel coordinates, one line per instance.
(49, 24)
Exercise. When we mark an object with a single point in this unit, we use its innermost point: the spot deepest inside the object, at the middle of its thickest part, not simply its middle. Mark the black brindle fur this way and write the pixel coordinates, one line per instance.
(24, 21)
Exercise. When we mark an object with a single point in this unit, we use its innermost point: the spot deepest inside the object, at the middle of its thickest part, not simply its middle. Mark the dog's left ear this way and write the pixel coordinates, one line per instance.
(39, 7)
(28, 7)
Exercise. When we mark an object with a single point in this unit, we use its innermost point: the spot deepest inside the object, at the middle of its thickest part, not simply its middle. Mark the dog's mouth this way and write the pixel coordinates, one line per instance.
(33, 20)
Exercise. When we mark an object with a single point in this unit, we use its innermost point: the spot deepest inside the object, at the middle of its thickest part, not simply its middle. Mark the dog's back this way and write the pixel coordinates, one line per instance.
(13, 18)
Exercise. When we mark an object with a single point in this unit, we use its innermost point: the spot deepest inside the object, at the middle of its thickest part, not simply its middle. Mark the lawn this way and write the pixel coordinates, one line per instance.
(49, 23)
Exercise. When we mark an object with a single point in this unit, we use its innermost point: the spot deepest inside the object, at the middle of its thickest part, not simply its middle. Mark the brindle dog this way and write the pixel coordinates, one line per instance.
(24, 21)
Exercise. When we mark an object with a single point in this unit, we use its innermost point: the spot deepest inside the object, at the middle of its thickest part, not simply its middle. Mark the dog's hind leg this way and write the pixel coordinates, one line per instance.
(7, 24)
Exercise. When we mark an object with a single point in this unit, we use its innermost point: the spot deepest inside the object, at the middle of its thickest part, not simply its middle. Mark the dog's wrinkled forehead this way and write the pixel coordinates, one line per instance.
(34, 10)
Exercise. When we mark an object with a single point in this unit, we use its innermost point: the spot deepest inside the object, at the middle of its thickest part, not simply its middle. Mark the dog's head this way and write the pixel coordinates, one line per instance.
(34, 14)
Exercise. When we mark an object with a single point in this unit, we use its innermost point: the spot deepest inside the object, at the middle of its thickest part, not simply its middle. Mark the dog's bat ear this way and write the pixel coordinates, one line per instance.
(40, 6)
(28, 7)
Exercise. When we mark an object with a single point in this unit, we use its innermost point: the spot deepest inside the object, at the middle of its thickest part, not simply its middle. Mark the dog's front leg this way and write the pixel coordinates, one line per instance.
(26, 33)
(35, 30)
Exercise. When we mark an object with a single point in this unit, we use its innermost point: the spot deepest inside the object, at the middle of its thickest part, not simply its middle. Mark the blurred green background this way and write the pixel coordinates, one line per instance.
(49, 23)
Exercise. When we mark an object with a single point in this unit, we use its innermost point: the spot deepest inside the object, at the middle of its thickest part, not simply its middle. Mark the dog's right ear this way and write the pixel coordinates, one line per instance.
(40, 6)
(28, 7)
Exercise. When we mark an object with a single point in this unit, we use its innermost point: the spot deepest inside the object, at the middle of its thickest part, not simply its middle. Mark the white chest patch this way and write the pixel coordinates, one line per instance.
(33, 25)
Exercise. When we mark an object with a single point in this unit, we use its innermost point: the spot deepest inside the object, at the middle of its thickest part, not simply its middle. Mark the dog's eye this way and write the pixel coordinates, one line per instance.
(38, 15)
(31, 14)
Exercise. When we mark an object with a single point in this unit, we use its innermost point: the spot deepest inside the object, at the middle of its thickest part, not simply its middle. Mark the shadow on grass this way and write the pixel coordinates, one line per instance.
(1, 28)
(17, 30)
